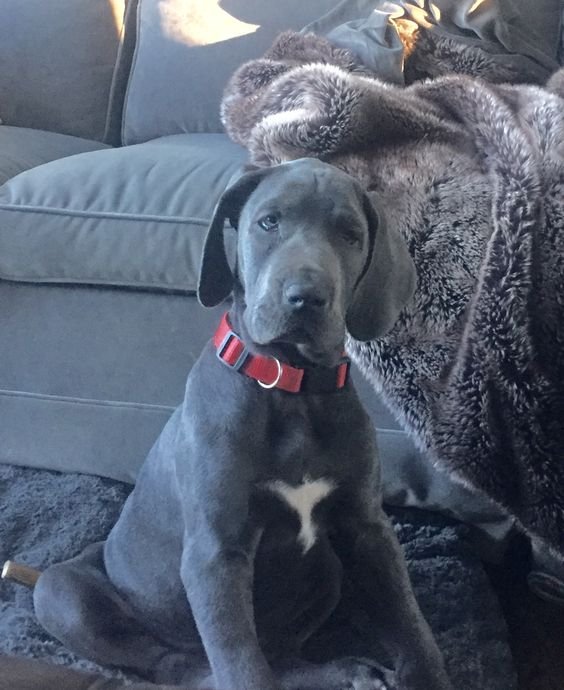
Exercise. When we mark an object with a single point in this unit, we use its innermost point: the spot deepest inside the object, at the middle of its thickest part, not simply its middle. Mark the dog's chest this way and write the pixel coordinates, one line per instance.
(302, 500)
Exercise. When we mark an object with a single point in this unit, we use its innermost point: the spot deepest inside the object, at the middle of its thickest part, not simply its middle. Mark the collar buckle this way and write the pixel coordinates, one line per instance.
(223, 356)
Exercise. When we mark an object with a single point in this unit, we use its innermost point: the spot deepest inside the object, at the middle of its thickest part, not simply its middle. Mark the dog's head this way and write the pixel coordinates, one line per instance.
(313, 257)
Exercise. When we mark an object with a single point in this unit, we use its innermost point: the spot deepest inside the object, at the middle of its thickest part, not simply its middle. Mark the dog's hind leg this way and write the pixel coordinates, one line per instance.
(77, 603)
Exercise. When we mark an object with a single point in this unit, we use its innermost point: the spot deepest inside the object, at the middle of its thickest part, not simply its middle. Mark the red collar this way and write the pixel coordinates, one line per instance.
(270, 372)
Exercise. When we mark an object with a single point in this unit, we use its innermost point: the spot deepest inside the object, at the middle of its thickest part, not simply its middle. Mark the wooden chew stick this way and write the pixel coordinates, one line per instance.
(20, 573)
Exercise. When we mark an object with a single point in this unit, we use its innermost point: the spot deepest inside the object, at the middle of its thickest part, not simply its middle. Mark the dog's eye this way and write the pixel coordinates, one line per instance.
(350, 237)
(269, 222)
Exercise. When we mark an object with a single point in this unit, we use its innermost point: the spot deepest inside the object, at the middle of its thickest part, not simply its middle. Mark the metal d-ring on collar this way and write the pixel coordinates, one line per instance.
(276, 380)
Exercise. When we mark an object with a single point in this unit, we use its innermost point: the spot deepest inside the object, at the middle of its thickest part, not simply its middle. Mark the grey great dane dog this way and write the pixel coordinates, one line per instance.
(253, 552)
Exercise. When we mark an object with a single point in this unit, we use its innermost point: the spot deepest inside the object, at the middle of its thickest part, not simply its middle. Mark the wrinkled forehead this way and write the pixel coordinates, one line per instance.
(307, 191)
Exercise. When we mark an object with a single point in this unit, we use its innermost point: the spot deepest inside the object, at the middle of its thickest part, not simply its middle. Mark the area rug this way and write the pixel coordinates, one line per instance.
(47, 517)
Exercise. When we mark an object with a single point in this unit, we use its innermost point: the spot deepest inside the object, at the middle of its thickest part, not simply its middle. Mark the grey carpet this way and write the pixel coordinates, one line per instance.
(46, 517)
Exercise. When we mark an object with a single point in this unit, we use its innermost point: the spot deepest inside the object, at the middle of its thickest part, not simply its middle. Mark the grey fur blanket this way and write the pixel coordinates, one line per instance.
(472, 174)
(47, 517)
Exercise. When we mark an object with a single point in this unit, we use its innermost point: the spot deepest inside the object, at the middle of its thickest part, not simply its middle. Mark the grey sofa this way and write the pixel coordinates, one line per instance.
(111, 161)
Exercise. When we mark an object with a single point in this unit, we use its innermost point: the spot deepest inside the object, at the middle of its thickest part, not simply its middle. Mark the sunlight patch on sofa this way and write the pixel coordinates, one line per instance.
(201, 22)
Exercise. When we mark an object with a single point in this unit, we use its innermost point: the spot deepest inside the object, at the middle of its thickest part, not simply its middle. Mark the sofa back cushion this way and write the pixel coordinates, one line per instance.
(57, 61)
(186, 50)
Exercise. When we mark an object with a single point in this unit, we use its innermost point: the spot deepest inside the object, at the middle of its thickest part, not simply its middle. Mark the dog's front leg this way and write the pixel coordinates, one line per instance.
(217, 573)
(374, 560)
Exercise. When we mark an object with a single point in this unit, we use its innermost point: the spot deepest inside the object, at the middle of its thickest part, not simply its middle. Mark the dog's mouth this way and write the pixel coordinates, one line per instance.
(310, 340)
(295, 335)
(310, 352)
(324, 357)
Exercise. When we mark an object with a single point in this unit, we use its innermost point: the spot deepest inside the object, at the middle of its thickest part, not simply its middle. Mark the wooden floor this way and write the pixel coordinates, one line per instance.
(536, 627)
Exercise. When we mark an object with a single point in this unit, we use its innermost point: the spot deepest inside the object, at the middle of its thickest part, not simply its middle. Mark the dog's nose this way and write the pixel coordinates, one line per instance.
(301, 294)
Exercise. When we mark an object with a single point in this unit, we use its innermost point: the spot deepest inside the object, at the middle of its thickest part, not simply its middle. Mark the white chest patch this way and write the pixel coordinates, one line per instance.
(303, 499)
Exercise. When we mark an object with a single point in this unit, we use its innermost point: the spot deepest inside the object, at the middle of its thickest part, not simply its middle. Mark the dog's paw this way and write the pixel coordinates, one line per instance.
(349, 673)
(421, 678)
(365, 674)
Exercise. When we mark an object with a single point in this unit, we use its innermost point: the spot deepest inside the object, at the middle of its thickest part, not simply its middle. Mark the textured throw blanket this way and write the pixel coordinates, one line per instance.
(472, 174)
(47, 517)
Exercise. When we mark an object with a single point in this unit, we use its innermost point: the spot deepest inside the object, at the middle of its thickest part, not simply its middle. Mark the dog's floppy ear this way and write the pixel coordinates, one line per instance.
(387, 283)
(216, 276)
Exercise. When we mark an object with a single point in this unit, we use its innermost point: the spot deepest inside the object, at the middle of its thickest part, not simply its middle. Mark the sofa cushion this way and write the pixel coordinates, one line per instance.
(187, 49)
(57, 63)
(135, 216)
(22, 149)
